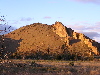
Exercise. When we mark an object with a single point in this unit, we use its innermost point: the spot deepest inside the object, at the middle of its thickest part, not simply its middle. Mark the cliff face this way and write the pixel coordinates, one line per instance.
(59, 29)
(71, 36)
(89, 42)
(41, 37)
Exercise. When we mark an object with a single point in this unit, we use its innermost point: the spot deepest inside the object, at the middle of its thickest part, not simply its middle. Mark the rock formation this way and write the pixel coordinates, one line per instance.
(51, 39)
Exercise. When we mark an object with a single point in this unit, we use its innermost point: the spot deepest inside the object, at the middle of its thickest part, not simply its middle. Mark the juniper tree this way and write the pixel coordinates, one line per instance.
(3, 29)
(2, 19)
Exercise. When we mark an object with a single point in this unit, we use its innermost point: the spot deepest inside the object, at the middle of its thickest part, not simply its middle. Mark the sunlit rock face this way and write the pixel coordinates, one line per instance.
(56, 38)
(60, 29)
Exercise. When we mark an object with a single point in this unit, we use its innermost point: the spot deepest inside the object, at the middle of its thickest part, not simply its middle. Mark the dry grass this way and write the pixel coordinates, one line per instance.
(49, 67)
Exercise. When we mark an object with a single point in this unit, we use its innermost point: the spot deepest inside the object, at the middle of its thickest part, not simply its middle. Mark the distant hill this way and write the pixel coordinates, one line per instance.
(43, 39)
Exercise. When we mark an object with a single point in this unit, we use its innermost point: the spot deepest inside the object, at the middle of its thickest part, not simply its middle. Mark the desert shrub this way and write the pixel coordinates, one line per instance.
(90, 58)
(32, 63)
(71, 63)
(15, 56)
(73, 70)
(51, 56)
(59, 57)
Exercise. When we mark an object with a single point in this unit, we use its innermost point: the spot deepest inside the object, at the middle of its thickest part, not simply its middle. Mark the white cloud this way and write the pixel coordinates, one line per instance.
(91, 34)
(92, 31)
(47, 17)
(26, 19)
(88, 1)
(97, 39)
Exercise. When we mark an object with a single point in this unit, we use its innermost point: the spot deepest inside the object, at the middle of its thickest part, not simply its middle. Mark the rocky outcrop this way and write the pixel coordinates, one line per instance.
(63, 31)
(59, 29)
(41, 37)
(88, 41)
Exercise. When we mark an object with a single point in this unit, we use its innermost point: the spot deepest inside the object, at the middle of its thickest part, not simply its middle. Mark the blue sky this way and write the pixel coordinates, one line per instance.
(81, 15)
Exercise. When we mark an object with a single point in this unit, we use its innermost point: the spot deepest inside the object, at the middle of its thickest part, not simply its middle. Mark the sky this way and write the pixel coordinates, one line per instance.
(82, 16)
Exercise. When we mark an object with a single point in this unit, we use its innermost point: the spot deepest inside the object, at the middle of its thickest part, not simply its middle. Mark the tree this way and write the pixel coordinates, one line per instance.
(2, 19)
(3, 22)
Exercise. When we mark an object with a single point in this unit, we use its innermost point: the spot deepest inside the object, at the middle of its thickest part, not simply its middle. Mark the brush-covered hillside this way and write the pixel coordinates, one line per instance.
(40, 40)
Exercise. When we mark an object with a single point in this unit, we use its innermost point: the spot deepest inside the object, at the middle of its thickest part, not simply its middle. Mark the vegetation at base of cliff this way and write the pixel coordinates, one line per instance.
(73, 52)
(54, 56)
